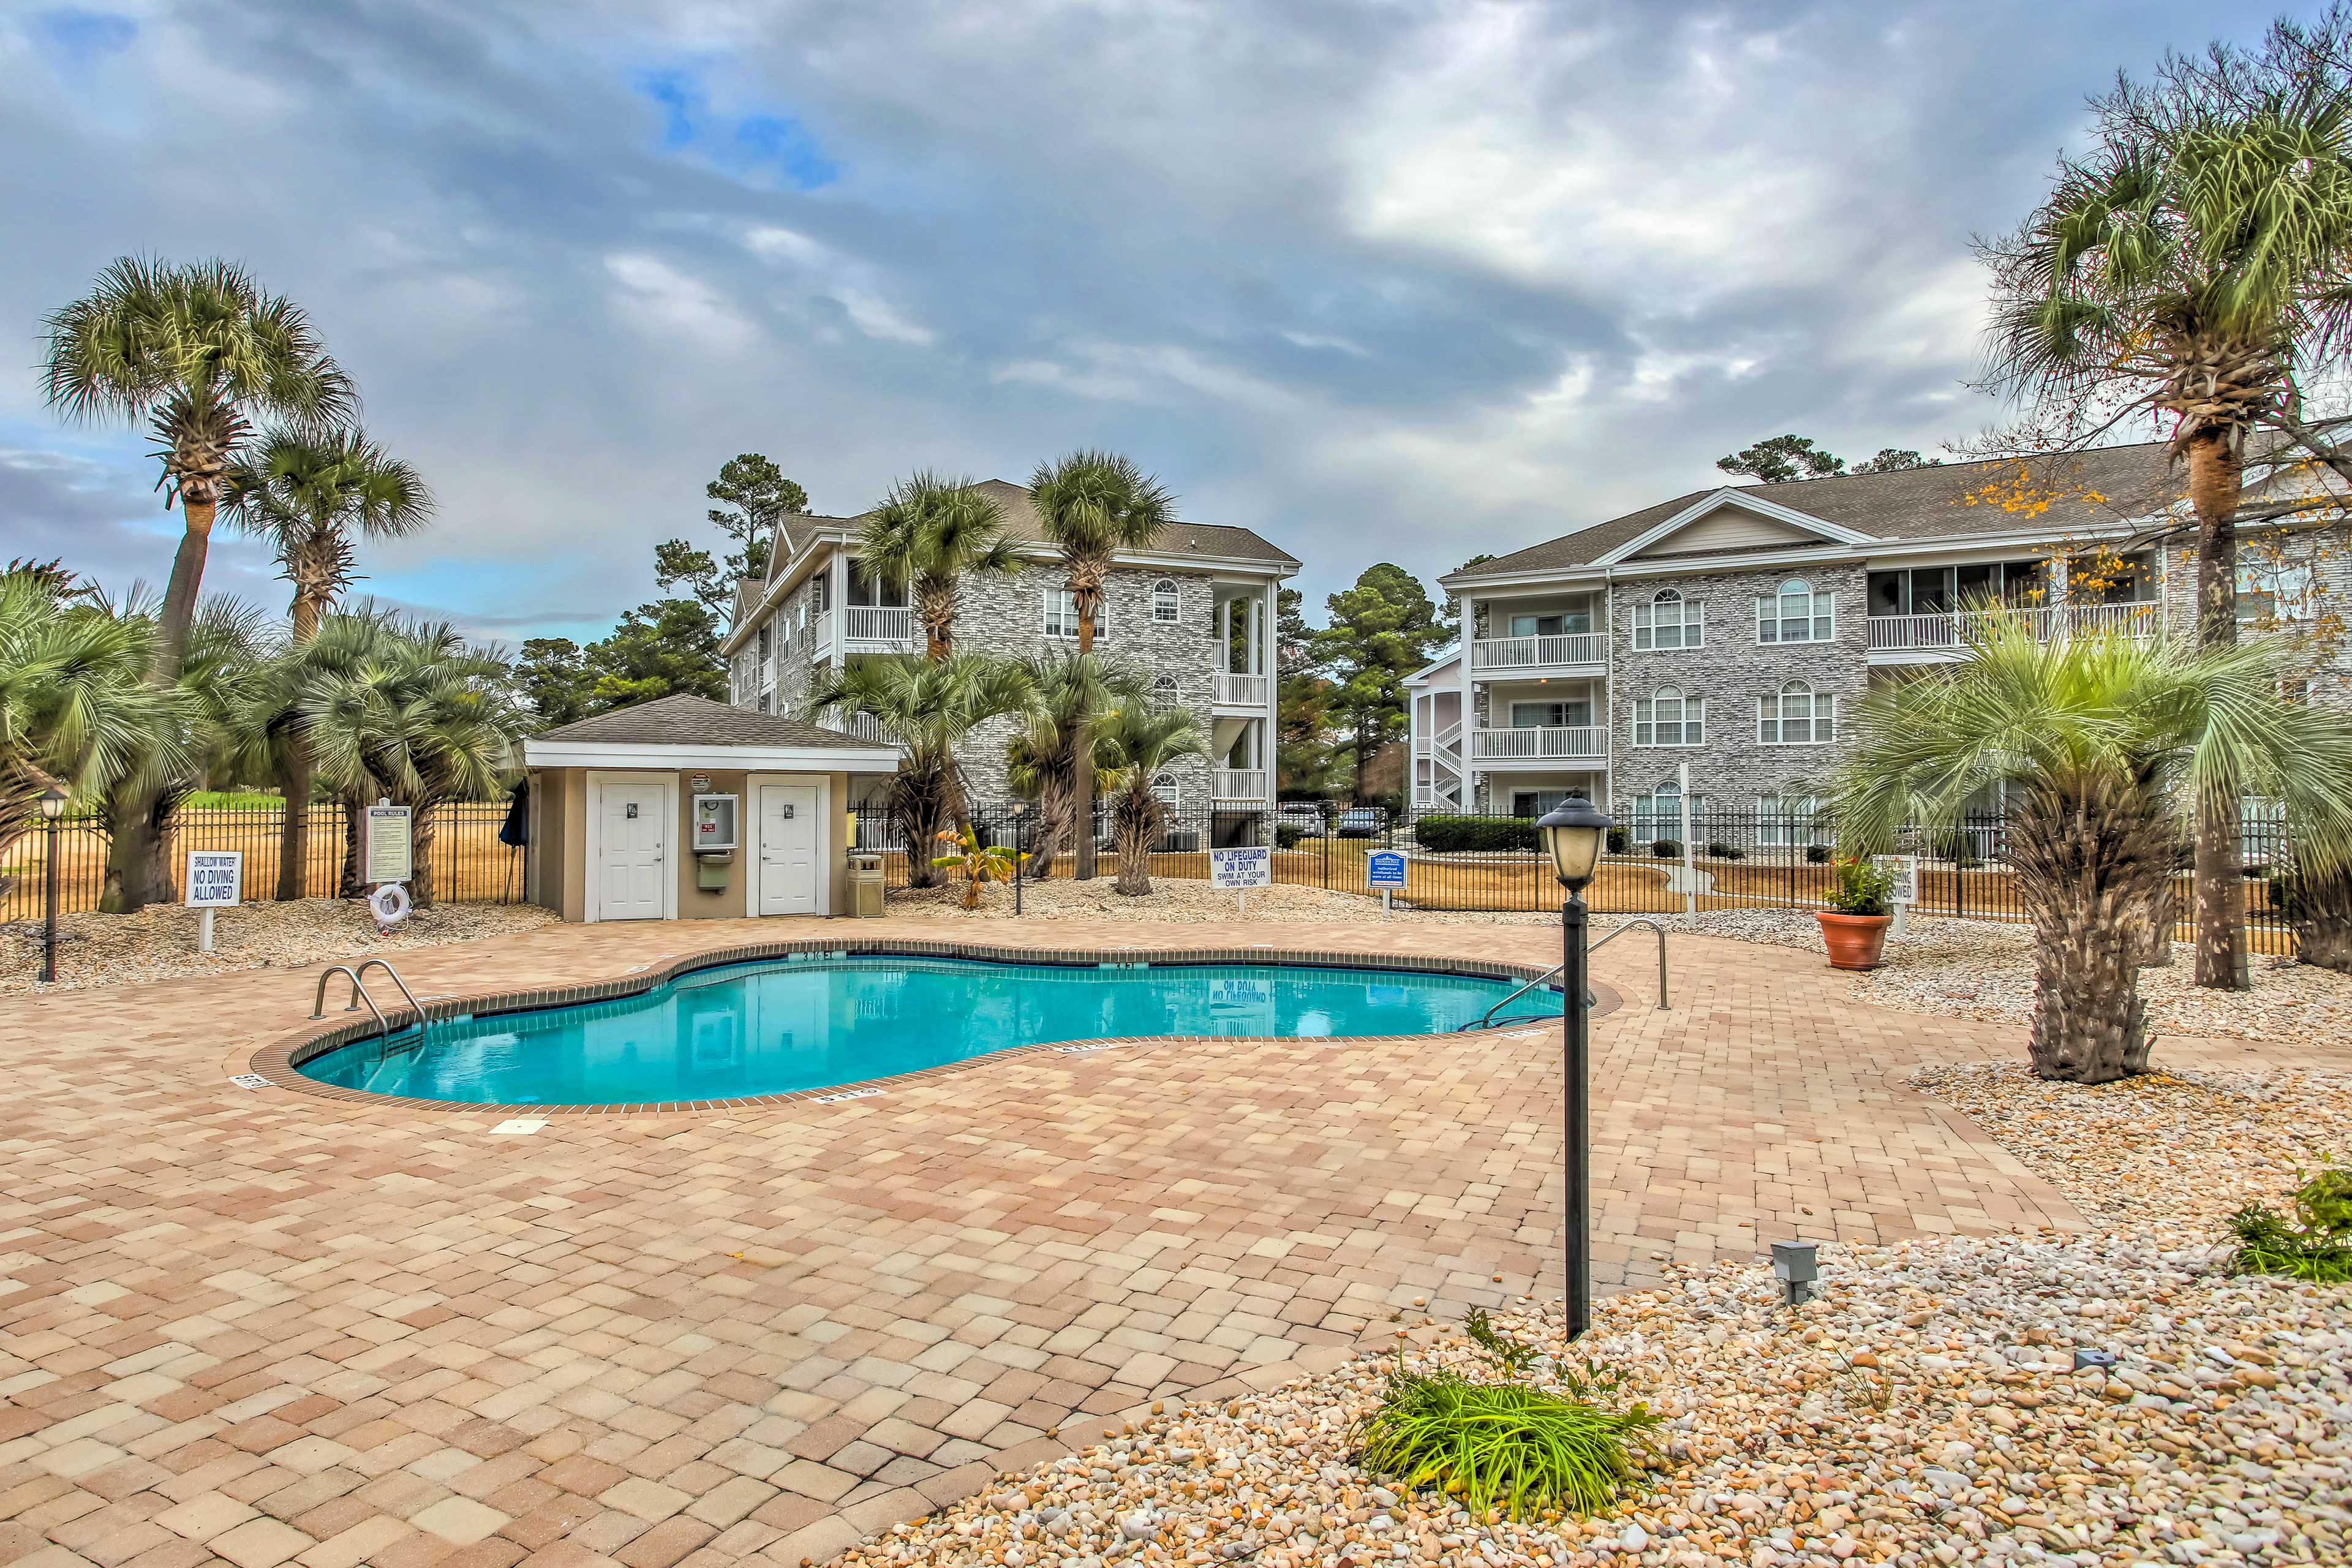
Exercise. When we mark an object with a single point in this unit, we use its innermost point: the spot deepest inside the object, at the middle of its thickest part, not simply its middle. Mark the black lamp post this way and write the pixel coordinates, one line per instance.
(1572, 834)
(53, 806)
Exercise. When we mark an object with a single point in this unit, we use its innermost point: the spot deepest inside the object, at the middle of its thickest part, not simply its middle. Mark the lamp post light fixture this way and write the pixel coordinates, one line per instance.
(53, 806)
(1572, 834)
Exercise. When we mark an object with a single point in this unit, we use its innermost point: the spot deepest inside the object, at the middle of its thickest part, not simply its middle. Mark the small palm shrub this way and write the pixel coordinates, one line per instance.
(1817, 854)
(2316, 1245)
(1725, 852)
(1503, 1445)
(1667, 849)
(1286, 835)
(1617, 841)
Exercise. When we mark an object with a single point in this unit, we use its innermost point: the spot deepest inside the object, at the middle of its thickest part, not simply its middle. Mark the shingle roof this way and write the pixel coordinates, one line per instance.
(1022, 525)
(687, 720)
(1910, 504)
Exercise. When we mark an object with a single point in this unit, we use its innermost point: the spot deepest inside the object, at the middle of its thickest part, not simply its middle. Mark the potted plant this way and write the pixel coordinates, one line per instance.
(1853, 926)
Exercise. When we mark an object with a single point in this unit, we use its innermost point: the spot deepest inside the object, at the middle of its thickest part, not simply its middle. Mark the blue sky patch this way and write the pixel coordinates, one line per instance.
(747, 144)
(84, 35)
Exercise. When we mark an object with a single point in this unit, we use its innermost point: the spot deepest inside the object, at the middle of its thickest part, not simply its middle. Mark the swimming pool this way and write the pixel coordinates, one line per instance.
(810, 1021)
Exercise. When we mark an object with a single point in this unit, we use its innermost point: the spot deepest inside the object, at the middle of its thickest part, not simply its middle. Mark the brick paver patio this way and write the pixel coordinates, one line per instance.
(263, 1327)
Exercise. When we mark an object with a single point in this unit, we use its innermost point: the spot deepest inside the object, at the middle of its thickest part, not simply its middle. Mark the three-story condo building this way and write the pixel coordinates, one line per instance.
(1193, 611)
(1730, 629)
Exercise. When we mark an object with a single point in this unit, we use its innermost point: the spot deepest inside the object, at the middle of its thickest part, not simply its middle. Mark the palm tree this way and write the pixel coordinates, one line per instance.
(310, 495)
(2190, 267)
(76, 708)
(1073, 690)
(2101, 747)
(1136, 742)
(930, 533)
(928, 709)
(408, 711)
(1092, 505)
(197, 352)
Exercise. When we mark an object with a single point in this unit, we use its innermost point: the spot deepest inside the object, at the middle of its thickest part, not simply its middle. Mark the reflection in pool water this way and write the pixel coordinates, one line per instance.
(778, 1025)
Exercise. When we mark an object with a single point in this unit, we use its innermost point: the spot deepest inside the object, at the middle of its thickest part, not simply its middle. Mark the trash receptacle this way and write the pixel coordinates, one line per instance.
(866, 886)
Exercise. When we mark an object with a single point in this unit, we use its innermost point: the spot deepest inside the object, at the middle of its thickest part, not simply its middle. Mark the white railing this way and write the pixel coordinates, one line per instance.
(1538, 653)
(1241, 784)
(1953, 628)
(891, 624)
(1240, 690)
(1424, 745)
(819, 635)
(864, 726)
(1550, 741)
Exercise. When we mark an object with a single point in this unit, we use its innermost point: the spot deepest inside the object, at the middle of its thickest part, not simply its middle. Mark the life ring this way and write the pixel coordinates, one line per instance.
(389, 903)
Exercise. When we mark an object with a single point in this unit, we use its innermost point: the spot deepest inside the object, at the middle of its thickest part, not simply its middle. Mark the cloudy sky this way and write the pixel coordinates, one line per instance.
(1381, 279)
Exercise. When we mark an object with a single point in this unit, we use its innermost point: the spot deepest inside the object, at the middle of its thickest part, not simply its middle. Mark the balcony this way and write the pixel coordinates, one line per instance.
(878, 628)
(864, 726)
(1949, 631)
(1243, 784)
(1570, 650)
(1550, 743)
(1250, 691)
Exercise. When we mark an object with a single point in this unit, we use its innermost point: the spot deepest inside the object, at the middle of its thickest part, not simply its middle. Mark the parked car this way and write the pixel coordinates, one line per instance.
(1362, 821)
(1306, 815)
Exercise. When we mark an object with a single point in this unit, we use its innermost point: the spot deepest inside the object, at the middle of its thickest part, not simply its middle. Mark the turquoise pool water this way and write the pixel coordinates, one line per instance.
(777, 1026)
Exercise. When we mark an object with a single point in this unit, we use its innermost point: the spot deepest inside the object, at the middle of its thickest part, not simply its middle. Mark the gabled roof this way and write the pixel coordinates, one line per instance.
(1908, 504)
(688, 720)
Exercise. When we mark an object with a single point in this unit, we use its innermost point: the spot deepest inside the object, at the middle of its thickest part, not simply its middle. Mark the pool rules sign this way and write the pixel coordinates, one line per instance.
(215, 878)
(1241, 867)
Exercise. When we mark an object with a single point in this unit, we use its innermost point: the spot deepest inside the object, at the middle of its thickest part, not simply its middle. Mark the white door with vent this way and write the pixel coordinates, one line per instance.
(633, 868)
(790, 816)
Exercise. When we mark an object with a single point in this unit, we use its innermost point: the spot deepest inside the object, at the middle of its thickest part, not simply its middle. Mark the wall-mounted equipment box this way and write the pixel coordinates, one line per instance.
(715, 820)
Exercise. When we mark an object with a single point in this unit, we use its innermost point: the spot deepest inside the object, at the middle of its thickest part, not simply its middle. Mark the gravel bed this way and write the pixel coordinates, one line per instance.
(1924, 1411)
(158, 942)
(2187, 1147)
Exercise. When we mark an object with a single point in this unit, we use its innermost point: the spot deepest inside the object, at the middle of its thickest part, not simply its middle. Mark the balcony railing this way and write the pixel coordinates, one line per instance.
(1538, 652)
(1957, 628)
(1552, 743)
(891, 625)
(1240, 690)
(864, 726)
(1241, 784)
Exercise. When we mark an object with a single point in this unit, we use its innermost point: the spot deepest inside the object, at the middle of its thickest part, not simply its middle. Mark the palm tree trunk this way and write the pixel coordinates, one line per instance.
(1082, 773)
(347, 881)
(294, 823)
(420, 868)
(135, 874)
(179, 611)
(2215, 481)
(2089, 1023)
(1132, 835)
(2322, 906)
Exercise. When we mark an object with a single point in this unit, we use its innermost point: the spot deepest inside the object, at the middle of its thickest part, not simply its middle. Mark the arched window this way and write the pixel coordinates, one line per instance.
(1163, 691)
(1668, 621)
(1669, 717)
(1164, 790)
(1796, 614)
(1167, 604)
(1796, 715)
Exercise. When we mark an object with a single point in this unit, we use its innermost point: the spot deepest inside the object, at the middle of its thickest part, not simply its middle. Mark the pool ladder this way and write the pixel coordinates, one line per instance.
(1487, 1019)
(360, 992)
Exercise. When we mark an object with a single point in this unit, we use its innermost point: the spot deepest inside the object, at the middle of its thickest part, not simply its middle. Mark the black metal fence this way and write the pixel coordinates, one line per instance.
(469, 864)
(1737, 859)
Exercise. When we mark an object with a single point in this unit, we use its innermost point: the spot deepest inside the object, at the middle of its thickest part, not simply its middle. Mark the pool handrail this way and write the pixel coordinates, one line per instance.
(1485, 1019)
(360, 991)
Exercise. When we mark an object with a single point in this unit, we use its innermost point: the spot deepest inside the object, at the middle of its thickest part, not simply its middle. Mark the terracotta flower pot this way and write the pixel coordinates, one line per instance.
(1855, 941)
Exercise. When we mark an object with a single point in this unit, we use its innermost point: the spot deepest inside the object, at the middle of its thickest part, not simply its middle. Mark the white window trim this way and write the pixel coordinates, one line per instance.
(1815, 599)
(1778, 809)
(1780, 721)
(1694, 714)
(1174, 797)
(1166, 602)
(1693, 623)
(1050, 601)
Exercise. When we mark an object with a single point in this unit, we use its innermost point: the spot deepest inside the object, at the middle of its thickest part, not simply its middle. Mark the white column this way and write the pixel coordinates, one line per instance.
(1469, 708)
(839, 611)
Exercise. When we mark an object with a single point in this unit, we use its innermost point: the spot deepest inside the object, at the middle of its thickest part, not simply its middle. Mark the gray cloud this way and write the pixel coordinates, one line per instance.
(1407, 281)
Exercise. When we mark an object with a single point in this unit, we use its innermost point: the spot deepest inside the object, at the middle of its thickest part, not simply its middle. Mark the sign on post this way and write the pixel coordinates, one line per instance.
(1242, 868)
(1906, 890)
(216, 880)
(1384, 869)
(388, 840)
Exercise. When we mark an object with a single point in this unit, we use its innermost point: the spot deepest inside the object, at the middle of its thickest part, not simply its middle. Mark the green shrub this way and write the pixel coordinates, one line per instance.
(1861, 888)
(1617, 841)
(1286, 835)
(1817, 854)
(1953, 845)
(1726, 852)
(2316, 1245)
(1502, 1445)
(1443, 835)
(1667, 849)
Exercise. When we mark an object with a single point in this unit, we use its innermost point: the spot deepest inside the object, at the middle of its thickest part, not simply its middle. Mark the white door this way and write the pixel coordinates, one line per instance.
(632, 850)
(788, 830)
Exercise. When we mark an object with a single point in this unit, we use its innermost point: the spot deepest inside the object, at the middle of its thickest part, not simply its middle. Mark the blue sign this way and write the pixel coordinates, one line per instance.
(1384, 869)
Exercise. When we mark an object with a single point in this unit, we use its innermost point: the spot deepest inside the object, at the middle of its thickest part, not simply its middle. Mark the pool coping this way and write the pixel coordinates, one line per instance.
(279, 1061)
